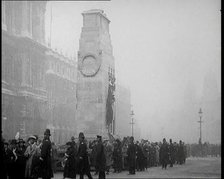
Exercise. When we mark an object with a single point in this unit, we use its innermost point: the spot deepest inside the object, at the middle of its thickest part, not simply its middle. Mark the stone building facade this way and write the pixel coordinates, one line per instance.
(26, 103)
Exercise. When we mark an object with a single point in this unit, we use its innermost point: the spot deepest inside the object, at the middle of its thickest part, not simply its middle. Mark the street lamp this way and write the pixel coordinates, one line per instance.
(132, 122)
(200, 121)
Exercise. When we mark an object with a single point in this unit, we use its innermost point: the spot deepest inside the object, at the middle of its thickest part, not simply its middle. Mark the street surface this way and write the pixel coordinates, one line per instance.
(193, 168)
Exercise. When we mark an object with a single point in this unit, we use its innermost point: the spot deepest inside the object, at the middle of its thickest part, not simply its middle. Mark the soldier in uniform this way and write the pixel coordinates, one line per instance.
(83, 163)
(100, 158)
(164, 154)
(45, 157)
(131, 156)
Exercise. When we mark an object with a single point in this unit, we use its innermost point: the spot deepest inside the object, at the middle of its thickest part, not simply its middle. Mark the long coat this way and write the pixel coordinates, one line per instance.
(29, 154)
(36, 163)
(131, 155)
(83, 163)
(172, 153)
(70, 164)
(109, 154)
(21, 162)
(46, 168)
(100, 157)
(164, 153)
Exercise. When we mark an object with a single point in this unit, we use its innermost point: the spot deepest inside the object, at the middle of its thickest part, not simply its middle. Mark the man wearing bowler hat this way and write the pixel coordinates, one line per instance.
(46, 168)
(100, 158)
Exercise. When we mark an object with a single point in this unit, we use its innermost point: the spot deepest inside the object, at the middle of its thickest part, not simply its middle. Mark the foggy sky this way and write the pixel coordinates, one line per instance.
(163, 49)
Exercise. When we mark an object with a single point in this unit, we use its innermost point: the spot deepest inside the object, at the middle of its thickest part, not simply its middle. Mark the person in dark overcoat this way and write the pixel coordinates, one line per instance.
(139, 157)
(83, 161)
(131, 156)
(21, 160)
(117, 156)
(108, 154)
(45, 156)
(164, 154)
(100, 158)
(180, 153)
(70, 164)
(12, 172)
(8, 159)
(171, 153)
(93, 156)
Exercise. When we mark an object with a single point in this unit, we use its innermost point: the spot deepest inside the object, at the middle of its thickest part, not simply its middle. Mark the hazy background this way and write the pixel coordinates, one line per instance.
(163, 51)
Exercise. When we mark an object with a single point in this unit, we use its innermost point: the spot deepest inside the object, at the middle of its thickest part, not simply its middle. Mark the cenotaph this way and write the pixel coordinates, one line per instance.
(95, 73)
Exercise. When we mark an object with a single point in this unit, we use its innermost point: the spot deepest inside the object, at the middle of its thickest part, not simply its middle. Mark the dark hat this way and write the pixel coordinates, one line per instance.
(99, 137)
(36, 136)
(21, 141)
(72, 138)
(81, 135)
(13, 141)
(68, 143)
(132, 138)
(47, 132)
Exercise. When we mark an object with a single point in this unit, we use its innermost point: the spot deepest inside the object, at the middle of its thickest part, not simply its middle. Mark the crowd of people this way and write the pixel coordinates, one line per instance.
(33, 159)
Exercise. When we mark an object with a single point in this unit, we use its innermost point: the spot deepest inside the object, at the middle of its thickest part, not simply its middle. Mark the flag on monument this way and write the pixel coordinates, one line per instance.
(17, 136)
(110, 100)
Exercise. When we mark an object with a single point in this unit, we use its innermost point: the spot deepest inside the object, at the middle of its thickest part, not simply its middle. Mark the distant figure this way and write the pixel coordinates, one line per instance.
(83, 163)
(45, 157)
(131, 156)
(70, 163)
(100, 158)
(164, 154)
(180, 153)
(172, 153)
(108, 153)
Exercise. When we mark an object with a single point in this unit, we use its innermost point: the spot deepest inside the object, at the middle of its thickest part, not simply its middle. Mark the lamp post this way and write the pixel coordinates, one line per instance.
(132, 123)
(200, 121)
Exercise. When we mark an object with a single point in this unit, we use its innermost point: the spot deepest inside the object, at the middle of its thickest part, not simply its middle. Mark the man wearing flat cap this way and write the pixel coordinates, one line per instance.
(83, 161)
(46, 168)
(100, 158)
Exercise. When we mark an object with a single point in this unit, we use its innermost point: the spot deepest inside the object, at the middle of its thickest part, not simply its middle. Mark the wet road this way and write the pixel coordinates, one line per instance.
(193, 168)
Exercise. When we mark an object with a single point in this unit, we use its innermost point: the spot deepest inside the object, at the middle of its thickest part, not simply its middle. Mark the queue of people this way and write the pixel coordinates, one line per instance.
(33, 159)
(27, 160)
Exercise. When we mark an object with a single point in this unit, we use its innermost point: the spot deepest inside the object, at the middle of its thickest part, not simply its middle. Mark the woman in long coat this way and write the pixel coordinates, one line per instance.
(70, 164)
(29, 153)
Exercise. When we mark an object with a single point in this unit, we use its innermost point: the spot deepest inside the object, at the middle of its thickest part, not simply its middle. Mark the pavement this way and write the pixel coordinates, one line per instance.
(193, 168)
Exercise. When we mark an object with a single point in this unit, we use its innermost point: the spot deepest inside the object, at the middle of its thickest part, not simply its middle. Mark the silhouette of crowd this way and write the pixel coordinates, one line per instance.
(34, 158)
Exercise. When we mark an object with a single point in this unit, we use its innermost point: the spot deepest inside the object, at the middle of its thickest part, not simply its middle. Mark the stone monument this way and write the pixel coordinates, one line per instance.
(95, 74)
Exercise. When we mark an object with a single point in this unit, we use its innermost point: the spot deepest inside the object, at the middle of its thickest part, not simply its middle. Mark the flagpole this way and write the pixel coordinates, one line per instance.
(51, 23)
